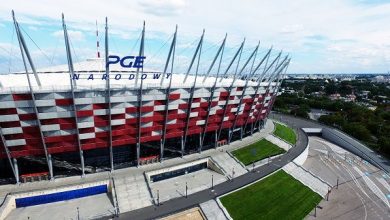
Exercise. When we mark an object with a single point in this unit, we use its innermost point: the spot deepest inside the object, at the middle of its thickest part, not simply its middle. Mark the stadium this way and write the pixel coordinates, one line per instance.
(57, 121)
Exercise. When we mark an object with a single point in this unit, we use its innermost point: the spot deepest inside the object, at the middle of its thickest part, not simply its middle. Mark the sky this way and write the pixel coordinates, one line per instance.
(332, 36)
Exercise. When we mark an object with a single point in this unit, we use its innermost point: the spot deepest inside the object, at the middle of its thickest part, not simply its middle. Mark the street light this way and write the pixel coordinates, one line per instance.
(212, 182)
(78, 213)
(158, 198)
(186, 190)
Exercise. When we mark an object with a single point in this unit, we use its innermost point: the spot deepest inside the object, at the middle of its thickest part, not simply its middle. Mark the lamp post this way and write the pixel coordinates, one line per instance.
(158, 198)
(212, 182)
(186, 190)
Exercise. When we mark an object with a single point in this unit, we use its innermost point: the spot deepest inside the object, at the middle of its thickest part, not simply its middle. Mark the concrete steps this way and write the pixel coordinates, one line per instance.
(212, 211)
(228, 164)
(132, 193)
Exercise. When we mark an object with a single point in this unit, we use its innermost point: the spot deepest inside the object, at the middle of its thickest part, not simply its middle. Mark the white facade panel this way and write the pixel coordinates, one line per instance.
(54, 127)
(5, 118)
(14, 130)
(87, 136)
(16, 142)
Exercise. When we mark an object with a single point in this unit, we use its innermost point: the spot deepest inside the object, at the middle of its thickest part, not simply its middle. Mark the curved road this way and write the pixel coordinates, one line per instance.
(354, 145)
(182, 203)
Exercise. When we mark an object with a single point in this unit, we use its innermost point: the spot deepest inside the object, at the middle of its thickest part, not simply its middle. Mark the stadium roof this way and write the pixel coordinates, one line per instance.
(57, 78)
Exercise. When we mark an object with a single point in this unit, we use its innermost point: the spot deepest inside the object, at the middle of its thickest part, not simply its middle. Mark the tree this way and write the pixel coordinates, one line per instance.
(357, 130)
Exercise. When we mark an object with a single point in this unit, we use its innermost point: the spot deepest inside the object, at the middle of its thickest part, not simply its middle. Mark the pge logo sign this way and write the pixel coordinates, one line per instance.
(127, 61)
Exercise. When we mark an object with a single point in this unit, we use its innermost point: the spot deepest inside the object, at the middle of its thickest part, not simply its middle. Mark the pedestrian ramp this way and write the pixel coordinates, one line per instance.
(307, 178)
(278, 142)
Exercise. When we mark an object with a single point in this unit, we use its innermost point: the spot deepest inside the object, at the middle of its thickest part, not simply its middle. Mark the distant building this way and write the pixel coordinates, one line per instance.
(349, 98)
(335, 96)
(381, 79)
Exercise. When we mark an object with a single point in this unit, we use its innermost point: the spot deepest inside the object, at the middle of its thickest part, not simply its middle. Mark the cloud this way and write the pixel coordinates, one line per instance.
(73, 35)
(292, 29)
(33, 28)
(162, 8)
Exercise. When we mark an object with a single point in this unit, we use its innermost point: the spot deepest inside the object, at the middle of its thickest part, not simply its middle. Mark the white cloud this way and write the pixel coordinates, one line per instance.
(162, 8)
(73, 35)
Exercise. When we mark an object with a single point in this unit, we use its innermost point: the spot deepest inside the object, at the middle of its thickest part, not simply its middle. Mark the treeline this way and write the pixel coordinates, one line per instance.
(345, 87)
(370, 127)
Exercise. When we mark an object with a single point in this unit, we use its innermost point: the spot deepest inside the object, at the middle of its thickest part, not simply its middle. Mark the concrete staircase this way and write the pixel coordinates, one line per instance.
(228, 164)
(132, 193)
(212, 211)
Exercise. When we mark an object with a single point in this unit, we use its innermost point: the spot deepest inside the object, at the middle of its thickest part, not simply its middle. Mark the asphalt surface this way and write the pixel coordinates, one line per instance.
(362, 188)
(182, 203)
(358, 148)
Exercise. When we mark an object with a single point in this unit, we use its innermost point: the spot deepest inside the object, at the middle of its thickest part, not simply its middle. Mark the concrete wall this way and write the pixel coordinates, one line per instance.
(302, 157)
(7, 207)
(348, 143)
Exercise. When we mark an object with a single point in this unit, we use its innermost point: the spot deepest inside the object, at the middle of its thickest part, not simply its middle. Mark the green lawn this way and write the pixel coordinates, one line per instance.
(285, 133)
(257, 151)
(278, 196)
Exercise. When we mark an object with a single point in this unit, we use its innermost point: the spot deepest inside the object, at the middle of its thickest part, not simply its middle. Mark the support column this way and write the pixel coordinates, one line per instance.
(216, 139)
(229, 134)
(72, 85)
(182, 146)
(16, 171)
(50, 163)
(138, 153)
(168, 90)
(24, 50)
(197, 53)
(259, 126)
(108, 97)
(141, 53)
(161, 150)
(241, 134)
(200, 142)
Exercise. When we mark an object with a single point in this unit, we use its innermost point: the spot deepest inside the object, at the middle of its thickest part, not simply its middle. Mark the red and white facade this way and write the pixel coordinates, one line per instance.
(54, 102)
